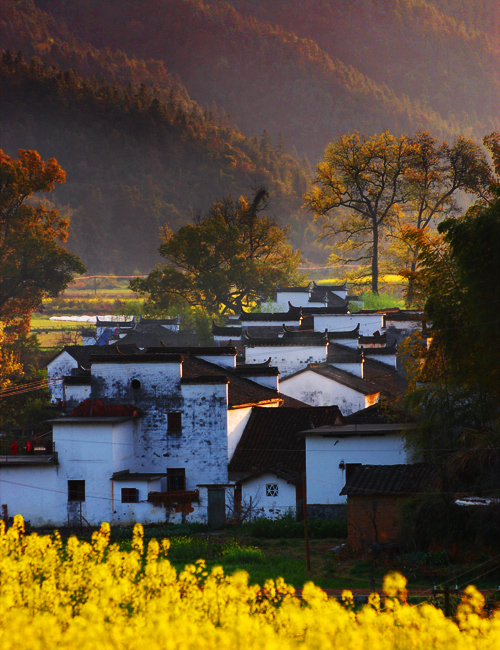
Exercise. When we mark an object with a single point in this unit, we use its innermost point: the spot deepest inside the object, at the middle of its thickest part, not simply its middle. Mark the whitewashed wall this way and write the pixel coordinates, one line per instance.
(316, 390)
(288, 359)
(323, 456)
(237, 419)
(35, 493)
(268, 506)
(368, 323)
(295, 297)
(74, 394)
(60, 366)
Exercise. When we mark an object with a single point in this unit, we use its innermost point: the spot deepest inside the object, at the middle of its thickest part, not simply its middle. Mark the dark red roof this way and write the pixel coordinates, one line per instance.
(95, 408)
(270, 438)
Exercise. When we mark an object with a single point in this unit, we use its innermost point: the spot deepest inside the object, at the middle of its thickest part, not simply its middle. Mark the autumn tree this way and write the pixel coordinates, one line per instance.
(371, 189)
(224, 261)
(33, 264)
(358, 188)
(437, 174)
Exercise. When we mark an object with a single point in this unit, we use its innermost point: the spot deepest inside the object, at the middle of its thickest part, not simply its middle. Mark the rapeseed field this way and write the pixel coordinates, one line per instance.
(81, 595)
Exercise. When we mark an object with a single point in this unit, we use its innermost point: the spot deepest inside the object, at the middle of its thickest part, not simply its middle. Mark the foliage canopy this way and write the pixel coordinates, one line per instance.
(224, 261)
(33, 264)
(368, 189)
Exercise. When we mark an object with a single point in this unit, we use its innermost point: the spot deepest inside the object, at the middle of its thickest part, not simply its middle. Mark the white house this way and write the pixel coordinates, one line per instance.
(367, 438)
(152, 443)
(290, 352)
(338, 381)
(269, 461)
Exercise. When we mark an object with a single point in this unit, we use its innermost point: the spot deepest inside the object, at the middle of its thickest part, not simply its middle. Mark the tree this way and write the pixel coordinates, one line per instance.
(435, 175)
(33, 264)
(363, 176)
(223, 262)
(457, 384)
(386, 184)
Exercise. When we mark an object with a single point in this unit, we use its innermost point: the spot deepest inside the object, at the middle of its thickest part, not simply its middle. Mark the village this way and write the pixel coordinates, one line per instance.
(291, 405)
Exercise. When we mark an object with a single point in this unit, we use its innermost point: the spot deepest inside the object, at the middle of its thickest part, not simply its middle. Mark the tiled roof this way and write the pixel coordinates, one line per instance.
(127, 475)
(218, 330)
(341, 309)
(331, 287)
(388, 351)
(82, 354)
(331, 299)
(344, 378)
(298, 338)
(240, 391)
(192, 350)
(148, 335)
(386, 378)
(392, 479)
(404, 314)
(350, 334)
(293, 314)
(343, 354)
(379, 413)
(258, 371)
(377, 338)
(96, 408)
(294, 289)
(270, 438)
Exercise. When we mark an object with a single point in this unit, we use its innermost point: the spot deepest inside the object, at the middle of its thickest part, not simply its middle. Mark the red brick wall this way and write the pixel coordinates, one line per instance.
(372, 519)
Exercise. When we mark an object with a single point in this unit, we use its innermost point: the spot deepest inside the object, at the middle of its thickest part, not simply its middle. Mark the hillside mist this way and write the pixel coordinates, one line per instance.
(157, 108)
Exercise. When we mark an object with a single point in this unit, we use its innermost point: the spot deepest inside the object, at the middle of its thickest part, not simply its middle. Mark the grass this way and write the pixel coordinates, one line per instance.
(332, 567)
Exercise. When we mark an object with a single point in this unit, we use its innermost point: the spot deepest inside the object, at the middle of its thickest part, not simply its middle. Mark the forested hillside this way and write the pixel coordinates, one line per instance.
(157, 108)
(137, 150)
(312, 70)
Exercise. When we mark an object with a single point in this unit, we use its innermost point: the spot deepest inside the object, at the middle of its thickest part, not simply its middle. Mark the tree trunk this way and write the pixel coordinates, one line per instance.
(375, 260)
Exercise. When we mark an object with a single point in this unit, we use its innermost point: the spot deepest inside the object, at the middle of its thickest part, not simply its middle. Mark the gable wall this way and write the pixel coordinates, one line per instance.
(288, 359)
(316, 390)
(325, 479)
(60, 367)
(269, 506)
(368, 323)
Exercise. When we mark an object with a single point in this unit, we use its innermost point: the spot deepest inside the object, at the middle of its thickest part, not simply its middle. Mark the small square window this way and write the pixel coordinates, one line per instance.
(174, 422)
(271, 490)
(130, 495)
(176, 479)
(76, 490)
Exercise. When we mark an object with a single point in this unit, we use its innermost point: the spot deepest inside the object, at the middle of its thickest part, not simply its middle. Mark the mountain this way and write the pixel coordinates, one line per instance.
(313, 70)
(134, 160)
(157, 108)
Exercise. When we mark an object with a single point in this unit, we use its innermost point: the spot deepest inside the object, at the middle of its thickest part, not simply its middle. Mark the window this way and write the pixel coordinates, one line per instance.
(130, 495)
(176, 479)
(76, 490)
(271, 490)
(350, 470)
(174, 422)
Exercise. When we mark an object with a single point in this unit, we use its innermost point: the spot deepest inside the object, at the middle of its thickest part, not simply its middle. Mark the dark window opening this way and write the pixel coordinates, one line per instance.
(136, 384)
(174, 422)
(350, 469)
(130, 495)
(176, 479)
(76, 490)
